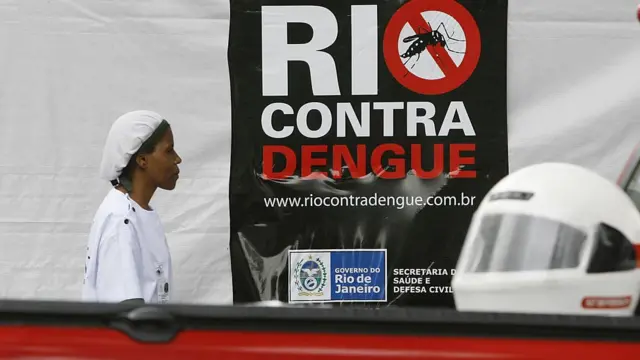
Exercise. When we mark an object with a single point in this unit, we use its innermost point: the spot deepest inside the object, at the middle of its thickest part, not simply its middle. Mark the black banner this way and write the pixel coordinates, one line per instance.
(363, 125)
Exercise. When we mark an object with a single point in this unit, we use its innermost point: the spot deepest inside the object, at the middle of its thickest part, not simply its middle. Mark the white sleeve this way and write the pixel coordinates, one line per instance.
(119, 260)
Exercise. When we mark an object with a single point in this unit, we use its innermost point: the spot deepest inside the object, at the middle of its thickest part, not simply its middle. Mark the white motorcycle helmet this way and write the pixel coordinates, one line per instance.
(629, 178)
(551, 238)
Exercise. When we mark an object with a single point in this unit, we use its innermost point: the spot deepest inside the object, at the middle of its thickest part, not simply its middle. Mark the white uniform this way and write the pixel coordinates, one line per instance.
(127, 254)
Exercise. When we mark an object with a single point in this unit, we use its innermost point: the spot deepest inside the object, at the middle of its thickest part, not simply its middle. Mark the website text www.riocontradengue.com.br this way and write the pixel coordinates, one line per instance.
(399, 202)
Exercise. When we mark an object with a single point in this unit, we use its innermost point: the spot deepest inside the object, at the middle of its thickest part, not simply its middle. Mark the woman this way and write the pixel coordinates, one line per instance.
(128, 257)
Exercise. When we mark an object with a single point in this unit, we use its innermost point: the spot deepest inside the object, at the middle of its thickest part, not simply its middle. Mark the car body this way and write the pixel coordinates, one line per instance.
(45, 330)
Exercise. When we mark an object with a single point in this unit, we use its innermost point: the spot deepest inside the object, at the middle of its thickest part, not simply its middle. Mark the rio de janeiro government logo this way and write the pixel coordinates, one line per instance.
(310, 276)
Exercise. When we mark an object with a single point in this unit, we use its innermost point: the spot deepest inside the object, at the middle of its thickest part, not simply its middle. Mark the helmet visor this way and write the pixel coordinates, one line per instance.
(518, 242)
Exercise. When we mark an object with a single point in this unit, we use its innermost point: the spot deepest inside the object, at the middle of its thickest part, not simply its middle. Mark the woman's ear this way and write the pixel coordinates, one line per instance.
(142, 161)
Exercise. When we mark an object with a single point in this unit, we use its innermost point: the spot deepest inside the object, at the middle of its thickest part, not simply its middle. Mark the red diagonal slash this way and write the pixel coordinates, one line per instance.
(438, 52)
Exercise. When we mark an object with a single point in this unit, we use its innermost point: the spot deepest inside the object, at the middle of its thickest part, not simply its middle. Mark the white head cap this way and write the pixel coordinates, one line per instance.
(126, 136)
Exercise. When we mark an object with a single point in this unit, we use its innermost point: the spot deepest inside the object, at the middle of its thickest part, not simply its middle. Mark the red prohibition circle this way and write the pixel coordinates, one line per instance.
(458, 74)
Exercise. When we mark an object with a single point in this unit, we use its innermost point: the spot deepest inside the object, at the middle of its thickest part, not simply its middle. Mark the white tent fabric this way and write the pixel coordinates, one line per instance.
(68, 68)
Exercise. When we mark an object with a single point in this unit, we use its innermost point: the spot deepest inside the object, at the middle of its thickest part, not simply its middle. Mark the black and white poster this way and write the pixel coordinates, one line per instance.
(363, 125)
